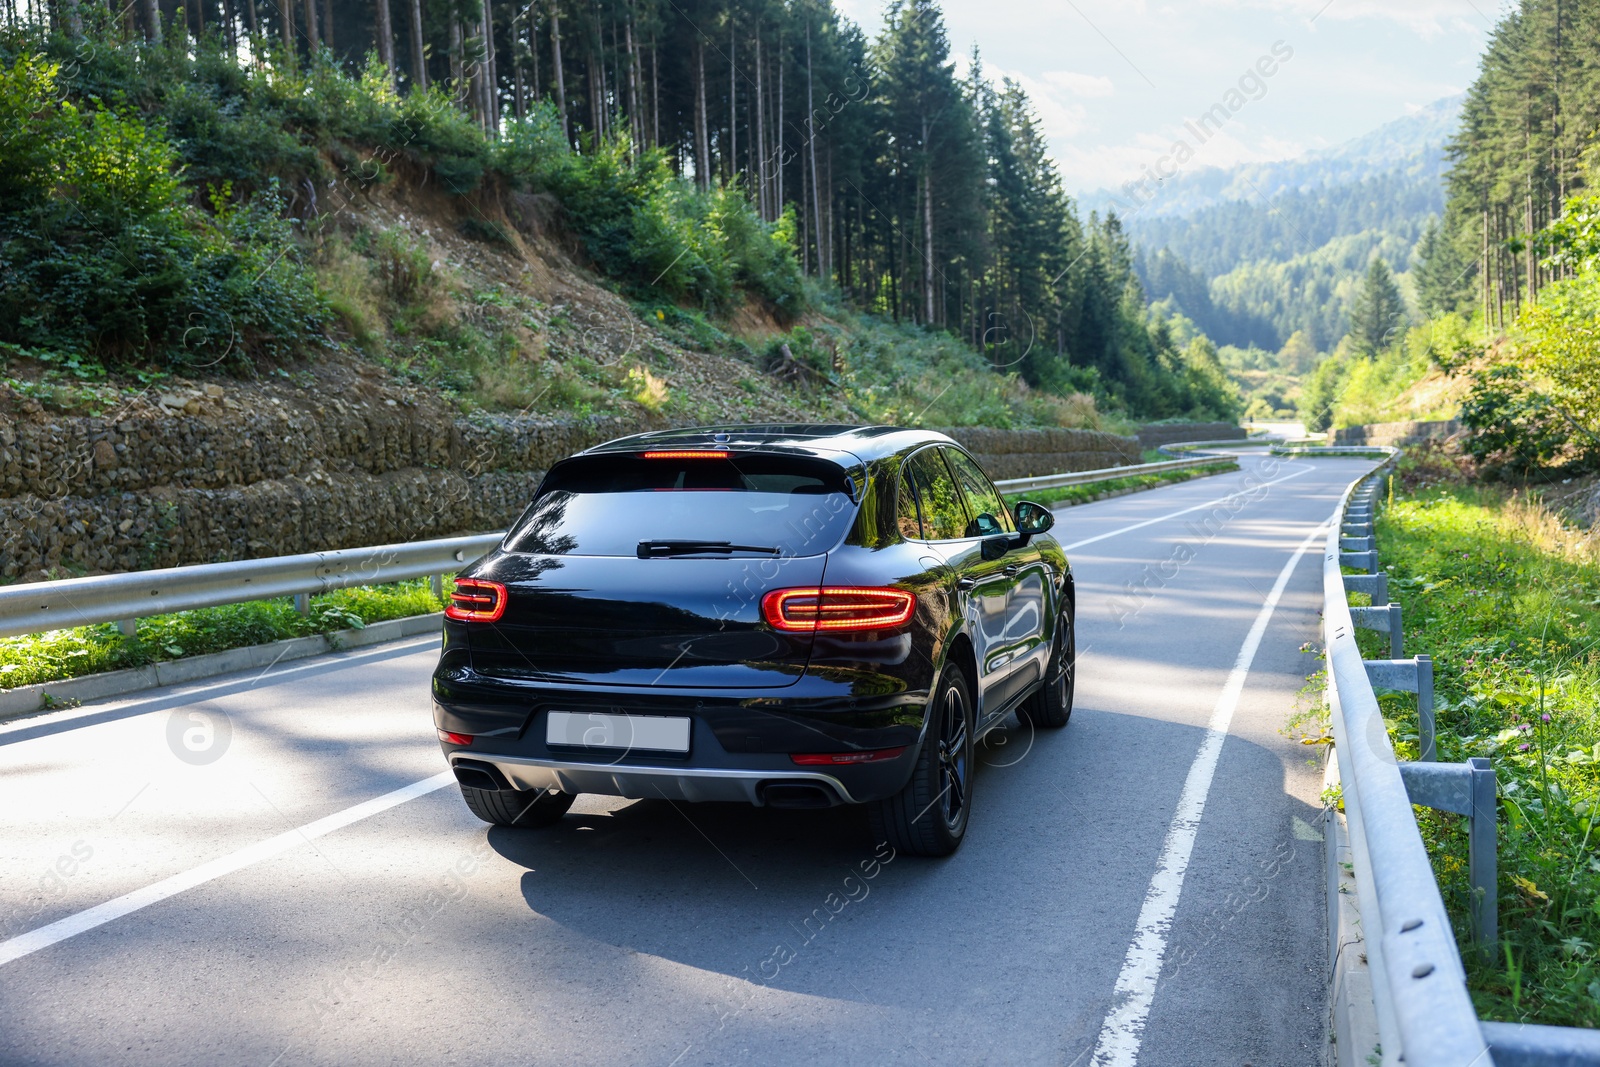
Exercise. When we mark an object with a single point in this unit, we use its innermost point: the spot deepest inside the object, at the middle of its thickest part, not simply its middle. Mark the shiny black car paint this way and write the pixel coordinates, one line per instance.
(685, 636)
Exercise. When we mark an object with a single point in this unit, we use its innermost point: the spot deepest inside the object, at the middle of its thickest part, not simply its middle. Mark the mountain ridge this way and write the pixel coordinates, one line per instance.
(1413, 144)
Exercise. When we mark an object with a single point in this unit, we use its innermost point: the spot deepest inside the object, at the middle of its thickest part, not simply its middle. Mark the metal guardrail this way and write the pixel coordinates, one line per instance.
(1104, 474)
(1177, 448)
(40, 606)
(1424, 1013)
(1419, 986)
(1332, 450)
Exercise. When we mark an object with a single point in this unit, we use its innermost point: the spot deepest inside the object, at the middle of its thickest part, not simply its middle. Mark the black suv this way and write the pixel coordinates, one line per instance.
(793, 616)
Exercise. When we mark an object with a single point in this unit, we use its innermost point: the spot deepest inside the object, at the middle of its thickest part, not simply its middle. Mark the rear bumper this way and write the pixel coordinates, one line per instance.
(740, 742)
(643, 782)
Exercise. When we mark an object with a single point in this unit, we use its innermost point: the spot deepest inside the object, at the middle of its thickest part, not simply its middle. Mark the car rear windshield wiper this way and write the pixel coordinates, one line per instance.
(657, 549)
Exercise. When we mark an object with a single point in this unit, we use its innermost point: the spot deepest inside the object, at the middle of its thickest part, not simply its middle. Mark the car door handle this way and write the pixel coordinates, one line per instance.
(966, 583)
(1011, 570)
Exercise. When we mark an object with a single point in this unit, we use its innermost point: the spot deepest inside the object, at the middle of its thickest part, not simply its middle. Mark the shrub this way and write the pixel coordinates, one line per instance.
(102, 257)
(1511, 422)
(652, 230)
(432, 130)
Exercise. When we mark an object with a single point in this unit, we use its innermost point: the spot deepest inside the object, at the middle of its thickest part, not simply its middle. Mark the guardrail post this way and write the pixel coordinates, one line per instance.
(302, 603)
(1367, 559)
(1481, 867)
(436, 583)
(1425, 706)
(1409, 676)
(1367, 543)
(1375, 586)
(1384, 619)
(1466, 789)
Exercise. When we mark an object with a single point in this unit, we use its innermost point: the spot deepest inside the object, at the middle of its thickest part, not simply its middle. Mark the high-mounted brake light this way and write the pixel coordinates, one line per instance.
(475, 600)
(835, 759)
(697, 453)
(836, 608)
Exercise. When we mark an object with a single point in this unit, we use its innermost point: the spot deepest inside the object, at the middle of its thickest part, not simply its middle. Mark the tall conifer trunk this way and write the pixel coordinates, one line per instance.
(927, 229)
(561, 83)
(419, 56)
(702, 136)
(811, 144)
(491, 73)
(385, 32)
(312, 41)
(761, 137)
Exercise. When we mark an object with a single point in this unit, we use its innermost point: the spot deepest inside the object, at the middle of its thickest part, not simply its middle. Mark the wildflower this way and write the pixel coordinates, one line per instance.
(1545, 716)
(1524, 747)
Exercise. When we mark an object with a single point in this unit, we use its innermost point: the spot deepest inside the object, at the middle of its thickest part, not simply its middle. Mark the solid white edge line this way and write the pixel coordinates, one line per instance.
(1122, 1033)
(84, 921)
(1185, 511)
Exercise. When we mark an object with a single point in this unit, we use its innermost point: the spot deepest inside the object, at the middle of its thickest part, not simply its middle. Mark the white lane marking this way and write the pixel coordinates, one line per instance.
(1185, 511)
(83, 921)
(1123, 1030)
(347, 660)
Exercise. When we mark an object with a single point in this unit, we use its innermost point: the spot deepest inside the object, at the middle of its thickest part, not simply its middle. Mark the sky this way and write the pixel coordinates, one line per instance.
(1116, 81)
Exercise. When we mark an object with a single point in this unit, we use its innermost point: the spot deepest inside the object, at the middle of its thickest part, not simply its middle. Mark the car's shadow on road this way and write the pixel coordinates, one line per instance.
(737, 889)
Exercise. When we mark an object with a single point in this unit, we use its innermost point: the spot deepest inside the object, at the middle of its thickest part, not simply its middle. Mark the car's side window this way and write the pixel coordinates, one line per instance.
(906, 517)
(944, 517)
(982, 500)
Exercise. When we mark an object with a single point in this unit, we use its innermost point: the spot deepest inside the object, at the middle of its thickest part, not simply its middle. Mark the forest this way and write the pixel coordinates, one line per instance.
(1525, 147)
(707, 153)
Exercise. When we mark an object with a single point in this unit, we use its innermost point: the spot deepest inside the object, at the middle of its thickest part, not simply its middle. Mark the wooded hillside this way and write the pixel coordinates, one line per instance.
(706, 152)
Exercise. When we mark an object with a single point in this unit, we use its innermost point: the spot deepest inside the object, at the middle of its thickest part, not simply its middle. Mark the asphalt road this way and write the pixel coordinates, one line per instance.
(183, 881)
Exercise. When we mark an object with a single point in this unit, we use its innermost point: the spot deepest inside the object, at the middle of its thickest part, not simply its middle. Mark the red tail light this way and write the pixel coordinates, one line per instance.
(475, 600)
(698, 453)
(836, 608)
(835, 759)
(455, 739)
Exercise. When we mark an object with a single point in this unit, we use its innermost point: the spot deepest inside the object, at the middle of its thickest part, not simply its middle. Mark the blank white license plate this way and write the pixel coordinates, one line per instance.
(594, 729)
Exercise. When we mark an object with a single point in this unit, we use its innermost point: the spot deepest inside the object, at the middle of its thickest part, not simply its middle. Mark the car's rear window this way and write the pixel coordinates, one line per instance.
(607, 505)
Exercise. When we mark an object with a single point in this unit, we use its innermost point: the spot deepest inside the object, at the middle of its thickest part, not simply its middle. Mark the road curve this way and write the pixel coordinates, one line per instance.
(268, 869)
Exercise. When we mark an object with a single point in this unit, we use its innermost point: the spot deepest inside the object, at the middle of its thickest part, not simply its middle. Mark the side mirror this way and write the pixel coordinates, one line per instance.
(1033, 518)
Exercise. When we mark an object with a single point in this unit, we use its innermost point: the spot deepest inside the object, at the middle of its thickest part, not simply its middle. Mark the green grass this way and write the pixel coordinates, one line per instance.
(61, 654)
(1084, 494)
(1506, 599)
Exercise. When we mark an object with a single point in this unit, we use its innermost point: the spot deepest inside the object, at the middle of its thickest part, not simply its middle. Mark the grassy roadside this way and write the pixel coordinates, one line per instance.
(1506, 599)
(1085, 494)
(62, 654)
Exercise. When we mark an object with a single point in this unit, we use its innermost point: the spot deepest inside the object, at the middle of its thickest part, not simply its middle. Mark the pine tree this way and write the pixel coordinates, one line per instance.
(1379, 311)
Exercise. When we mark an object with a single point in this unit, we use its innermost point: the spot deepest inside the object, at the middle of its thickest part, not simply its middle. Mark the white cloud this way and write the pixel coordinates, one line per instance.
(1079, 84)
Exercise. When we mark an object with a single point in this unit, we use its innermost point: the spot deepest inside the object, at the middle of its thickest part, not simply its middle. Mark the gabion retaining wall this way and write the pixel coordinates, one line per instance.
(196, 476)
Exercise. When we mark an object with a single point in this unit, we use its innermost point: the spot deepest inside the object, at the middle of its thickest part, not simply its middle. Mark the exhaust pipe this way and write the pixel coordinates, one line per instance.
(798, 795)
(477, 775)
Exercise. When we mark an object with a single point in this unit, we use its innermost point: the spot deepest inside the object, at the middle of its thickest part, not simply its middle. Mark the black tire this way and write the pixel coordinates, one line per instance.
(517, 807)
(1051, 706)
(929, 816)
